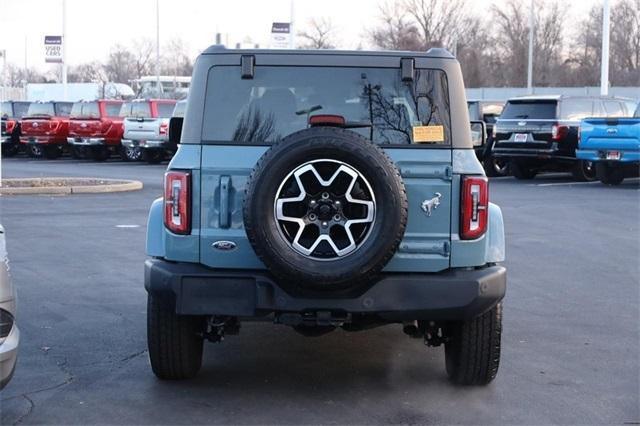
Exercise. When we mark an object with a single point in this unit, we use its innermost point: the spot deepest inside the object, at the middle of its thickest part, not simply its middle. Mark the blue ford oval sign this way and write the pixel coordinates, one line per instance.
(224, 245)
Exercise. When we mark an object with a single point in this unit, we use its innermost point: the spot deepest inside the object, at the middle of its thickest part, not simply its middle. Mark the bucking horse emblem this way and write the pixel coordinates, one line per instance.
(429, 205)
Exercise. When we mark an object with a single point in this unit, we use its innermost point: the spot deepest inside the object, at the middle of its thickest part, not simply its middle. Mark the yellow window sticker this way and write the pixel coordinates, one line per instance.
(428, 134)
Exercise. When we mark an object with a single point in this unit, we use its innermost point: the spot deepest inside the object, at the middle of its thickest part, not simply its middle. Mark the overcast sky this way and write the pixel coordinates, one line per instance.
(94, 26)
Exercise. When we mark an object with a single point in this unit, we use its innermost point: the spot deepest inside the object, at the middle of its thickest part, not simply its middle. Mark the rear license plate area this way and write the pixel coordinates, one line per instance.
(613, 155)
(520, 137)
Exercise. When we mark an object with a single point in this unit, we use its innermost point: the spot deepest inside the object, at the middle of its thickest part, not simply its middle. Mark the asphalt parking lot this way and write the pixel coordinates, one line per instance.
(571, 340)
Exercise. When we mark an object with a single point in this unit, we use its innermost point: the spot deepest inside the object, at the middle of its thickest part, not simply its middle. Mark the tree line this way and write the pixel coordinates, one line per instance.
(492, 47)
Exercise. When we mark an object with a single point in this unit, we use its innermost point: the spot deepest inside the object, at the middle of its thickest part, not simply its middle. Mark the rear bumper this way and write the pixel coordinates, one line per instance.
(626, 156)
(78, 141)
(455, 294)
(144, 144)
(532, 154)
(42, 140)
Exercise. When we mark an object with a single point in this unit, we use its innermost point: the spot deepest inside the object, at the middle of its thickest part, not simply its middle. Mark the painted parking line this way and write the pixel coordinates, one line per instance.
(127, 226)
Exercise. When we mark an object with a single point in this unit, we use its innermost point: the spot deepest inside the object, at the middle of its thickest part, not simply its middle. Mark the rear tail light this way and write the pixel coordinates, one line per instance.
(475, 207)
(177, 202)
(559, 132)
(164, 128)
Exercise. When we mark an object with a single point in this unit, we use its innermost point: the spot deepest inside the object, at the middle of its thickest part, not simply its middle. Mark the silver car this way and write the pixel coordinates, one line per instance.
(146, 127)
(9, 333)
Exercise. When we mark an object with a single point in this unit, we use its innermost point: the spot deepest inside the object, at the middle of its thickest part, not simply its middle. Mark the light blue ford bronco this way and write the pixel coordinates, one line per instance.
(323, 190)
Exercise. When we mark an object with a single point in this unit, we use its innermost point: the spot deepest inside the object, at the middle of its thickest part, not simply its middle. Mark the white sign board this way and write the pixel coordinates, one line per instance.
(280, 35)
(53, 49)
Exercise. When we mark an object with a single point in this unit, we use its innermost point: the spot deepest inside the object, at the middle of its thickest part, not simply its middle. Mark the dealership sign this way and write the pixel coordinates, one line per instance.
(280, 35)
(53, 49)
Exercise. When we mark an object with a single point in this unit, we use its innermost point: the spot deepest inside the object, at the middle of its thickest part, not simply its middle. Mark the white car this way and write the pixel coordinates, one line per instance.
(9, 333)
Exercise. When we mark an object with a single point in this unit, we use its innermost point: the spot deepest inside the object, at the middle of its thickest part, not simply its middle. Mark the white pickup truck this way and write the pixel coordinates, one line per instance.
(146, 128)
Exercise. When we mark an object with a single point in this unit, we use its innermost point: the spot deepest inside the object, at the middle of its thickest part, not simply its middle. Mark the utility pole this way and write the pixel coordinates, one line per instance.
(530, 62)
(604, 63)
(158, 47)
(64, 49)
(292, 42)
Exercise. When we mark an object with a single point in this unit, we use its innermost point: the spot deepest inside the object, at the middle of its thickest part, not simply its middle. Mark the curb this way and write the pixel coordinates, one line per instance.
(118, 185)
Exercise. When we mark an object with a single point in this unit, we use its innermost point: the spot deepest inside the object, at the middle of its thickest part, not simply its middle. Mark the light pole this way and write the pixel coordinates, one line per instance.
(604, 66)
(292, 42)
(158, 47)
(530, 62)
(64, 49)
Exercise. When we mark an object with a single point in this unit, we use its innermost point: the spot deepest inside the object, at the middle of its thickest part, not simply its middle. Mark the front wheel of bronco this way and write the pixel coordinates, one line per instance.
(473, 351)
(175, 347)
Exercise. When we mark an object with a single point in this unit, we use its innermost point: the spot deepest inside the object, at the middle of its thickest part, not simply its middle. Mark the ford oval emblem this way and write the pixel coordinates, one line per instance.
(522, 123)
(224, 245)
(35, 125)
(83, 125)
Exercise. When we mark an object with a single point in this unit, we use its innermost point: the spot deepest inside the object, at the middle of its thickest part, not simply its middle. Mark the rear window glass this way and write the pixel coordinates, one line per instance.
(41, 109)
(280, 100)
(85, 110)
(474, 110)
(7, 110)
(165, 109)
(139, 109)
(613, 109)
(112, 109)
(20, 109)
(576, 109)
(637, 113)
(536, 110)
(63, 109)
(179, 109)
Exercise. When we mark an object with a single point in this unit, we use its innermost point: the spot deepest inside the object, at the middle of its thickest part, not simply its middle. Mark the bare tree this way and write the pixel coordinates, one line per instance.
(88, 73)
(625, 42)
(440, 22)
(395, 30)
(176, 59)
(17, 76)
(318, 34)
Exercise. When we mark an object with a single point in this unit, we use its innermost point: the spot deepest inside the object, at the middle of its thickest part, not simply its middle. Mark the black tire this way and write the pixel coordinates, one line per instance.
(9, 149)
(100, 153)
(130, 153)
(175, 345)
(35, 151)
(52, 152)
(609, 175)
(522, 170)
(385, 232)
(78, 152)
(472, 352)
(584, 171)
(153, 156)
(495, 167)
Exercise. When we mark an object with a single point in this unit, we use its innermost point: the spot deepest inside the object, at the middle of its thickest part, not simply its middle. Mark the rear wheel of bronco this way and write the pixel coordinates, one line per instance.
(473, 351)
(609, 175)
(521, 170)
(175, 346)
(325, 208)
(584, 171)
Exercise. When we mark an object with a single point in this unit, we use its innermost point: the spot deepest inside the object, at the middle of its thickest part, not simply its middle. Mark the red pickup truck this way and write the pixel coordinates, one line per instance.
(12, 112)
(45, 128)
(95, 129)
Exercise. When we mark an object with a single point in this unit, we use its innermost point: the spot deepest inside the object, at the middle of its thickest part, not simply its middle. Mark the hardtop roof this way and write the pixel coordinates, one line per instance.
(440, 53)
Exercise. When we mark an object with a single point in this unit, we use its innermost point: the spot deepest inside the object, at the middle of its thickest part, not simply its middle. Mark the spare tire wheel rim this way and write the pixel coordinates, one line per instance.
(325, 201)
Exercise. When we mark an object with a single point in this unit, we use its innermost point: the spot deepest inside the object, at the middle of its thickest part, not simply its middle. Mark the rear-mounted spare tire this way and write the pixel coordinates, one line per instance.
(325, 209)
